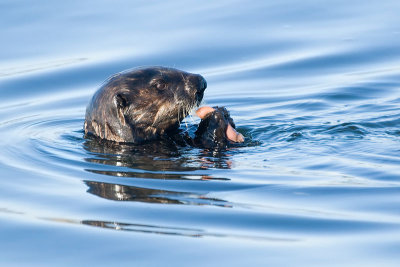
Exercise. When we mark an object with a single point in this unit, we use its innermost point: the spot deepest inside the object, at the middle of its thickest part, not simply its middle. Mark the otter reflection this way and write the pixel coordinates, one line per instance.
(154, 160)
(143, 228)
(132, 193)
(179, 231)
(158, 156)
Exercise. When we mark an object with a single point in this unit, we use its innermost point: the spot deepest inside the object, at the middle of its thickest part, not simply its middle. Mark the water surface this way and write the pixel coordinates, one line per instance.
(314, 87)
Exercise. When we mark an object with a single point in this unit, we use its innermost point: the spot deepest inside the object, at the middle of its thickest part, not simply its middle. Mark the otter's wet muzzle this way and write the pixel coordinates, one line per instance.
(202, 85)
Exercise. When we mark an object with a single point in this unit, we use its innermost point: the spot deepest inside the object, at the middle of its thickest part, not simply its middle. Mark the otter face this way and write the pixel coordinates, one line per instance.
(142, 104)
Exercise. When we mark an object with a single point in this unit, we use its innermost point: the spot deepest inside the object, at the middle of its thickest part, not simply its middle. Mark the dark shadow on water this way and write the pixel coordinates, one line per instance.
(153, 158)
(161, 161)
(154, 175)
(142, 228)
(150, 228)
(121, 192)
(177, 231)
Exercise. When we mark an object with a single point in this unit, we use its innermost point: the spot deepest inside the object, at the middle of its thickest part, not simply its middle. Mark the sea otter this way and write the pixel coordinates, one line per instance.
(145, 104)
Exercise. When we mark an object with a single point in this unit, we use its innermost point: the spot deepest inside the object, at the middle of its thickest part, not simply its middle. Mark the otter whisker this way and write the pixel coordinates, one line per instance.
(185, 119)
(191, 118)
(179, 114)
(179, 121)
(186, 125)
(162, 111)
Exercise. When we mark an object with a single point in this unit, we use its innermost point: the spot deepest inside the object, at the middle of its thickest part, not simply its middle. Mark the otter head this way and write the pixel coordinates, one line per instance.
(143, 104)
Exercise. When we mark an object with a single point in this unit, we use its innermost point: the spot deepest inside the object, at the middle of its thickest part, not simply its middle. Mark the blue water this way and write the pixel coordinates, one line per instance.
(314, 86)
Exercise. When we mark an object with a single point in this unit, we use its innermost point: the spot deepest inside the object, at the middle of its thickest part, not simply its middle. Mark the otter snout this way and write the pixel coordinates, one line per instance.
(200, 85)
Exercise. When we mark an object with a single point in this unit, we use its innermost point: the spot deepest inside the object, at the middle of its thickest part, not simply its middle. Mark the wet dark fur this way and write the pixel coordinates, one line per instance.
(143, 104)
(211, 132)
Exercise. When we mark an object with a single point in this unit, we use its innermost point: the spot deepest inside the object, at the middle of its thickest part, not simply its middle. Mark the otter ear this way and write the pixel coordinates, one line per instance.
(121, 101)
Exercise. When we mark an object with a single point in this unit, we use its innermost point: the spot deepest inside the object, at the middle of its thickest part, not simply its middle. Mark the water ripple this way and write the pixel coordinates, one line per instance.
(314, 88)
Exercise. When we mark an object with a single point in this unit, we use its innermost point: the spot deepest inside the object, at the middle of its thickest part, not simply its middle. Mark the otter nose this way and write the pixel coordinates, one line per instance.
(202, 84)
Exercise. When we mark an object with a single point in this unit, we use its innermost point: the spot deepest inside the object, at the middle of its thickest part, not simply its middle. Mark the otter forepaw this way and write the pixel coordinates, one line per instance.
(216, 128)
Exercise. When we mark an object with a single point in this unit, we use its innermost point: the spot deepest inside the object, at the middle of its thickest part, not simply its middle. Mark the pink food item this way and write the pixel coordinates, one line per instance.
(203, 111)
(231, 133)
